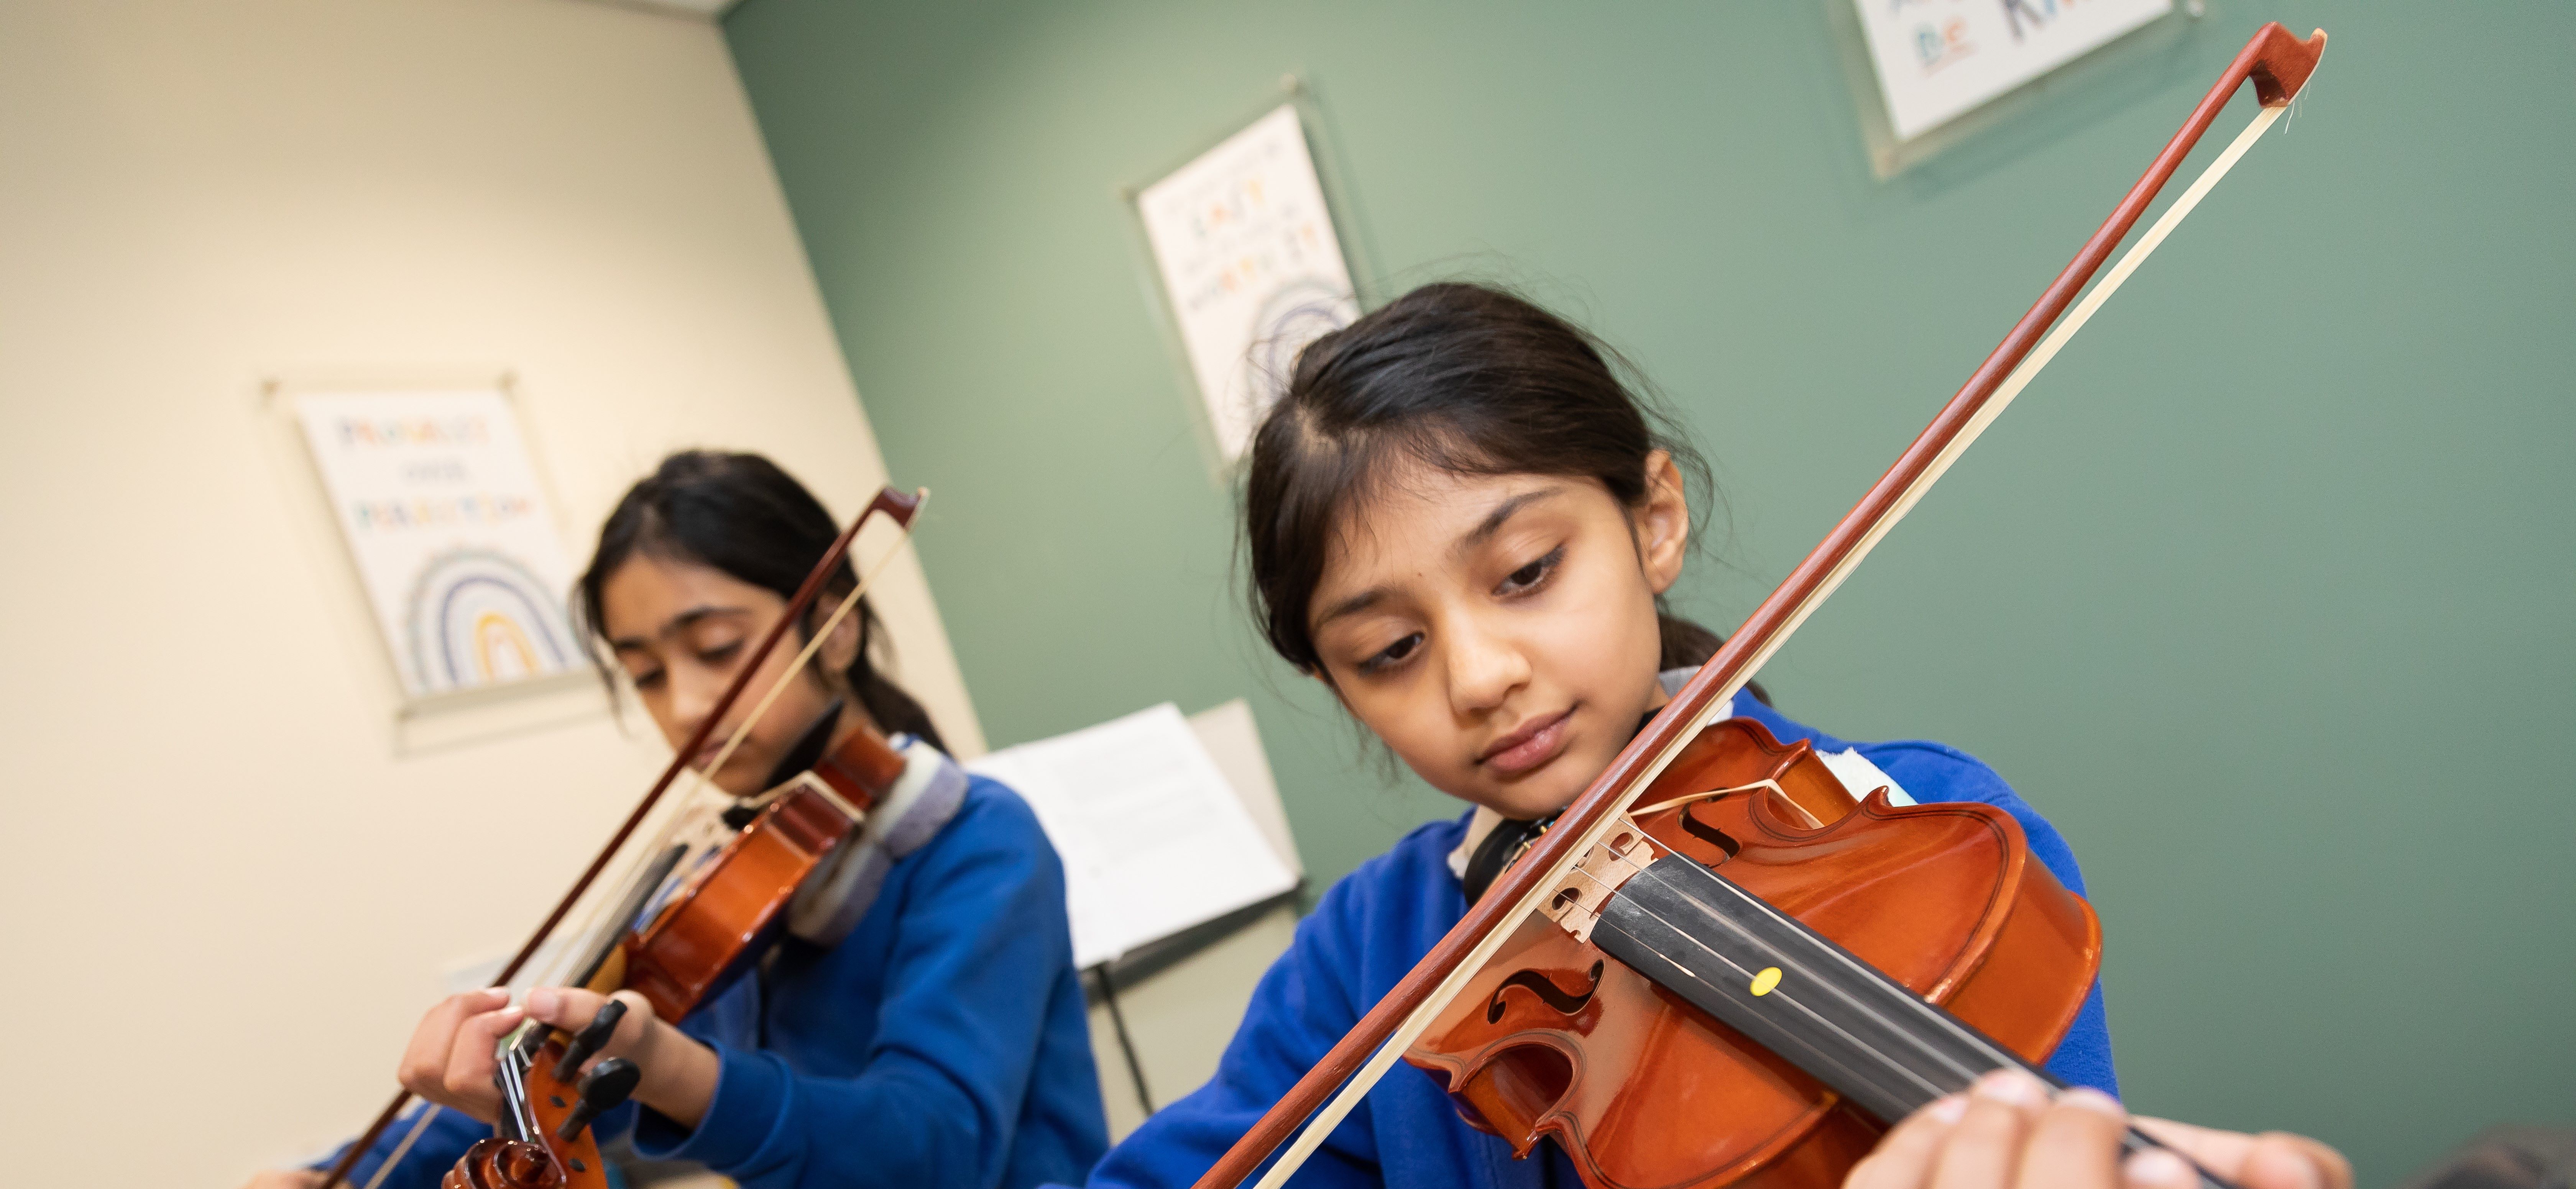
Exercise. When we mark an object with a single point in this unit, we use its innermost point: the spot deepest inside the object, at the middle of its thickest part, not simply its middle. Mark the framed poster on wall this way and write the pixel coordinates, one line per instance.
(1929, 65)
(1250, 267)
(450, 531)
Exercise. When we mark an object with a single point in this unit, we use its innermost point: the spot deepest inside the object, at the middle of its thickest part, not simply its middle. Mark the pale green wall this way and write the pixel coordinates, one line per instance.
(2262, 594)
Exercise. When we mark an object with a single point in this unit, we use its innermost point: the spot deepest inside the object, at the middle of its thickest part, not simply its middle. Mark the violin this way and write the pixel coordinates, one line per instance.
(1718, 966)
(1590, 1025)
(709, 930)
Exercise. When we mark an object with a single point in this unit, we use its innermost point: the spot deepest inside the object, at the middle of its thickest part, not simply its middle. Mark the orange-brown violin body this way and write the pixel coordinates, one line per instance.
(1645, 1091)
(734, 906)
(720, 920)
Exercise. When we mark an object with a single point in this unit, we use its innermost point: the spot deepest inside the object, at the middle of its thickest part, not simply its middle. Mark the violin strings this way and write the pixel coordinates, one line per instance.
(558, 963)
(1807, 972)
(1339, 1107)
(689, 811)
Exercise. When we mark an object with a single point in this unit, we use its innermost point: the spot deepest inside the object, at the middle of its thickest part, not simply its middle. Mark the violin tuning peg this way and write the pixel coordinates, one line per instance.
(608, 1084)
(590, 1039)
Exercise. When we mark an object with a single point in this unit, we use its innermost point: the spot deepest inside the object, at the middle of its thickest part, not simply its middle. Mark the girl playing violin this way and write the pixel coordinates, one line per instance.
(923, 1027)
(1463, 523)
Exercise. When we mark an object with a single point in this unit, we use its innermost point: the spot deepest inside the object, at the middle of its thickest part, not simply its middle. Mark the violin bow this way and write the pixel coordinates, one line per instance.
(897, 506)
(2279, 65)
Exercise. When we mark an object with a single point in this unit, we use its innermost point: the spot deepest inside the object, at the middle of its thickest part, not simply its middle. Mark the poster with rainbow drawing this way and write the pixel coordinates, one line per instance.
(450, 530)
(1249, 262)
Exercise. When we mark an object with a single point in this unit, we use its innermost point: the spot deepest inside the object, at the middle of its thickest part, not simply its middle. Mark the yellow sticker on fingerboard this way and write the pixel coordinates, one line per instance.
(1769, 978)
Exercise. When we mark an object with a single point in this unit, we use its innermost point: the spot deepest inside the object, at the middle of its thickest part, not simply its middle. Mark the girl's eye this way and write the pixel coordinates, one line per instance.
(647, 679)
(1529, 577)
(1392, 654)
(721, 653)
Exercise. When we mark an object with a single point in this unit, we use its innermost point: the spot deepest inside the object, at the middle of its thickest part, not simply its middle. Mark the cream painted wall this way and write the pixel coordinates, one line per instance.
(226, 897)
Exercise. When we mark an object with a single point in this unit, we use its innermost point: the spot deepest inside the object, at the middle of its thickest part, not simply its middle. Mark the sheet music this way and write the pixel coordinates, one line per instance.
(1153, 839)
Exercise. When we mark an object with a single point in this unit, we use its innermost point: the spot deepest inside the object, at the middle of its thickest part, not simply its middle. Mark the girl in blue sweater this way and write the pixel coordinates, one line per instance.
(1463, 523)
(921, 1026)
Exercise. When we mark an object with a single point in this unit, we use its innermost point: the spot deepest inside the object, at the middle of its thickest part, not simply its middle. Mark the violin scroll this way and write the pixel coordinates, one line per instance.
(505, 1164)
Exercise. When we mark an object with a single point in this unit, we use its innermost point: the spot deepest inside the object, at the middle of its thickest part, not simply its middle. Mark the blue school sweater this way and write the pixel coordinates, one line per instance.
(943, 1042)
(1367, 933)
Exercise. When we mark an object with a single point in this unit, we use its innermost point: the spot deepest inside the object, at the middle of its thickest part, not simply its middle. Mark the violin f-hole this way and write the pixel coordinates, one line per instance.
(1711, 835)
(1547, 991)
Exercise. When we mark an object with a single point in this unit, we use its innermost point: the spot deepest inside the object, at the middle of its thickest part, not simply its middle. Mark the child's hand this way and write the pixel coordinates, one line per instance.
(679, 1074)
(2006, 1131)
(2272, 1160)
(450, 1059)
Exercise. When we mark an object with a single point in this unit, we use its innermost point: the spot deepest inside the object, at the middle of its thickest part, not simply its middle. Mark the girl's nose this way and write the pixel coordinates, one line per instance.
(1484, 668)
(693, 692)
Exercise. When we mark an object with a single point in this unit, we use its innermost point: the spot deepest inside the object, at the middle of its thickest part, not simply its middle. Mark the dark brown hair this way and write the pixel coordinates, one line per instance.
(742, 516)
(1465, 378)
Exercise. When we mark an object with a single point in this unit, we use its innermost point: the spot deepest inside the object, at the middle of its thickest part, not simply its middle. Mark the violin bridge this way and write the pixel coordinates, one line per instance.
(1577, 902)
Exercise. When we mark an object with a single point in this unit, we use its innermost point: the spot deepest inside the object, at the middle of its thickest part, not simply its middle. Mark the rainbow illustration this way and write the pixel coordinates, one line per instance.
(479, 617)
(1301, 310)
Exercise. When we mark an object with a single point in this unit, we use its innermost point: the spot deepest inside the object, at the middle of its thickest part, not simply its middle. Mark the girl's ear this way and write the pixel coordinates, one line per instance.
(840, 649)
(1663, 522)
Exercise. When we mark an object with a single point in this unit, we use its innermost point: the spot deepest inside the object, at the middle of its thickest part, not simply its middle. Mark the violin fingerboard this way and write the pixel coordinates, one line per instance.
(1795, 992)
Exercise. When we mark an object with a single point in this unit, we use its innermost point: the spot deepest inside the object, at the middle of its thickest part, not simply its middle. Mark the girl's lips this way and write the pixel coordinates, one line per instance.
(715, 747)
(1528, 747)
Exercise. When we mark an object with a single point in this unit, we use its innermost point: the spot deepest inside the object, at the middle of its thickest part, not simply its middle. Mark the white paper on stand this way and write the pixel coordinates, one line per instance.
(1153, 839)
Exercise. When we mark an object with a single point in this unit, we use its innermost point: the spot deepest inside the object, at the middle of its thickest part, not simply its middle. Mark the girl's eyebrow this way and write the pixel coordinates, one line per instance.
(1351, 606)
(1502, 513)
(678, 623)
(1483, 532)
